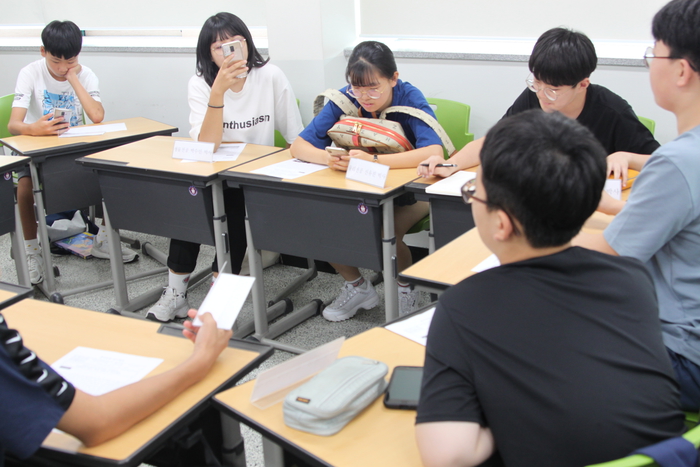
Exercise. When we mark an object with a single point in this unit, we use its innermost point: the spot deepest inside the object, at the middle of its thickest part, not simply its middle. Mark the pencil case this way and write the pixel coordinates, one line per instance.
(329, 400)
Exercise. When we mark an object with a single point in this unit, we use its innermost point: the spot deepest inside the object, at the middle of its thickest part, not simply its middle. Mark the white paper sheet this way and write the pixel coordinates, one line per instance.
(490, 262)
(98, 372)
(452, 185)
(414, 328)
(293, 168)
(228, 152)
(614, 188)
(367, 172)
(225, 299)
(81, 130)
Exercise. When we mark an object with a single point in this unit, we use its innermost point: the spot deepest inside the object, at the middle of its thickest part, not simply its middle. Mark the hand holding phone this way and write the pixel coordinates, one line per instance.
(65, 114)
(234, 48)
(337, 152)
(403, 391)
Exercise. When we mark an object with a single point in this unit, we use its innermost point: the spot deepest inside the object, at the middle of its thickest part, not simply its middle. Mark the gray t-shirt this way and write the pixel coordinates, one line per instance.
(660, 225)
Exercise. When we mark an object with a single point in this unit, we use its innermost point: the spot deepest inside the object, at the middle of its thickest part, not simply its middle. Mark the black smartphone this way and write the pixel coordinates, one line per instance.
(404, 388)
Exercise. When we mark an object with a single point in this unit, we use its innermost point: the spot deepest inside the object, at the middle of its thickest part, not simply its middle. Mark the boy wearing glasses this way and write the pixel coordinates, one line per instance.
(561, 65)
(586, 373)
(660, 223)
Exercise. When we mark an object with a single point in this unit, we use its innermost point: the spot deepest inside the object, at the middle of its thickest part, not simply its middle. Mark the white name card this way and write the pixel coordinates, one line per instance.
(614, 188)
(367, 172)
(194, 151)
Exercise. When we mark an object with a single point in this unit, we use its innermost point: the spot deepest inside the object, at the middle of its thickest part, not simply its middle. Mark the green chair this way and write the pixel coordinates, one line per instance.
(454, 118)
(638, 460)
(5, 110)
(280, 142)
(649, 123)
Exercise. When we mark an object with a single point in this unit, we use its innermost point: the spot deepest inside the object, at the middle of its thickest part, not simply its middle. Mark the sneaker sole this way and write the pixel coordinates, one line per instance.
(364, 306)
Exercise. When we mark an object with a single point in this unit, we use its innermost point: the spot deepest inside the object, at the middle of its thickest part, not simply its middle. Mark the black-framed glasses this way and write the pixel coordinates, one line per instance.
(468, 190)
(649, 56)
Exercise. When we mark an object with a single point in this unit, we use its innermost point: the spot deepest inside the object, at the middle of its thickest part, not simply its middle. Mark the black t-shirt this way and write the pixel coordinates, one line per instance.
(607, 115)
(561, 356)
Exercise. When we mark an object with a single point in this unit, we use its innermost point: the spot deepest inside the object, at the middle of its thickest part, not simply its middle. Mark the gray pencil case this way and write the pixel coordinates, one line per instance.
(329, 400)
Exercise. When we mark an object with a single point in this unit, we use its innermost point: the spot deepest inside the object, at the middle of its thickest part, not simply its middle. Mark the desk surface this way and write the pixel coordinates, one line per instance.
(31, 145)
(155, 154)
(324, 179)
(53, 330)
(454, 262)
(12, 162)
(377, 436)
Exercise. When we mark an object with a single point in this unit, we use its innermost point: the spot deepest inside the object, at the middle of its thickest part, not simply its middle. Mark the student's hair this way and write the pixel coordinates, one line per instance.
(219, 27)
(368, 59)
(563, 57)
(546, 171)
(62, 39)
(677, 25)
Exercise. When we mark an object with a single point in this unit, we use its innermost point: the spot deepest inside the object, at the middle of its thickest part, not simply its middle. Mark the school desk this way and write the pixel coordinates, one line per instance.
(377, 436)
(323, 216)
(52, 330)
(9, 218)
(146, 190)
(11, 293)
(454, 262)
(60, 184)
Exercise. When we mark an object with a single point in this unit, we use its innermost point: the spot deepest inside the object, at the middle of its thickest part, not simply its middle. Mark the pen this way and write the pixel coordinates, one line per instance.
(440, 165)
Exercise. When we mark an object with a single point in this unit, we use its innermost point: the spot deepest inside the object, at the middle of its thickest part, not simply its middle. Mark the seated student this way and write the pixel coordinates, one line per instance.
(374, 85)
(57, 80)
(555, 357)
(245, 101)
(660, 223)
(561, 64)
(34, 399)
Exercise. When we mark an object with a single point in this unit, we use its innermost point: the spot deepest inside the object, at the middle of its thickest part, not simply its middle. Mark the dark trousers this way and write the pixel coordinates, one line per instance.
(688, 376)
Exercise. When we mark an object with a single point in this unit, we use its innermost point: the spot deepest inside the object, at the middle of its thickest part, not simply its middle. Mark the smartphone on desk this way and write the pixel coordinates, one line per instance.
(336, 152)
(234, 48)
(403, 391)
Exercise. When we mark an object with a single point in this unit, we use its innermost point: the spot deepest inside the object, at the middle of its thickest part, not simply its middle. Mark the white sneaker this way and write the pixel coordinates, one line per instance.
(350, 300)
(35, 263)
(171, 305)
(101, 250)
(408, 300)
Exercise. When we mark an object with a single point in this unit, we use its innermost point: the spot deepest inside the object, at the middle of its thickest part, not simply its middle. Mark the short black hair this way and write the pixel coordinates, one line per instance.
(216, 28)
(677, 25)
(62, 39)
(546, 171)
(563, 57)
(369, 58)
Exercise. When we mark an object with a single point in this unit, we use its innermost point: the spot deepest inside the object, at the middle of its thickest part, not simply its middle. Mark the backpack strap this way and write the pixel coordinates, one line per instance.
(339, 99)
(425, 117)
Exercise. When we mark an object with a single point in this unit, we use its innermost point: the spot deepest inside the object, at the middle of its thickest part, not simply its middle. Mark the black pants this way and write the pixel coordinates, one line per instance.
(182, 256)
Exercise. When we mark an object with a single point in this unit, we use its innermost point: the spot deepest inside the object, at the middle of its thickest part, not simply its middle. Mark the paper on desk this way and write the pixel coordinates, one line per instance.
(488, 263)
(82, 130)
(614, 188)
(414, 328)
(225, 299)
(228, 152)
(293, 168)
(97, 372)
(452, 185)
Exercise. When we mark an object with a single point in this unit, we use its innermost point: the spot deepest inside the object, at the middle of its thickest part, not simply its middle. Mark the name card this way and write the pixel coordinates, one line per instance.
(614, 188)
(367, 172)
(194, 151)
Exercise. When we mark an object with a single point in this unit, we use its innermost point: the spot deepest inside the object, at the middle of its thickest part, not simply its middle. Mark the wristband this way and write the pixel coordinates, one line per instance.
(376, 158)
(215, 106)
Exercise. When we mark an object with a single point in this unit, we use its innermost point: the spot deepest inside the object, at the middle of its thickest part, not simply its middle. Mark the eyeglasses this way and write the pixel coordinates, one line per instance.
(549, 93)
(219, 50)
(649, 56)
(468, 190)
(372, 93)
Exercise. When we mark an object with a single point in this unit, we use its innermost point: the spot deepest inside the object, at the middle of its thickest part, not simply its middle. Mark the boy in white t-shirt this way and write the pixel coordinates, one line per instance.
(57, 81)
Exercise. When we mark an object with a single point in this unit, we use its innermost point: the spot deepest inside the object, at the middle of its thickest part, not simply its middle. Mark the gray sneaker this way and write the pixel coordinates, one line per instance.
(350, 300)
(35, 264)
(171, 305)
(101, 250)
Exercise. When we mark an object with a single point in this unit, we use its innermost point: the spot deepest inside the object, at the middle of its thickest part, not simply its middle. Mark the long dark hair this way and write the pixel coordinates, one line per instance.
(216, 28)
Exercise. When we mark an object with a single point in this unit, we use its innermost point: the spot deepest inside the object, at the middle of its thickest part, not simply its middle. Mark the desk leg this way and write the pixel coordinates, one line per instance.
(273, 454)
(221, 239)
(121, 296)
(234, 452)
(18, 252)
(431, 236)
(391, 289)
(49, 284)
(255, 263)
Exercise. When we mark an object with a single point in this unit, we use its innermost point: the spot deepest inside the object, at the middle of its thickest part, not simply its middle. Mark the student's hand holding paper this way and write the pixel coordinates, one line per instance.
(209, 340)
(618, 165)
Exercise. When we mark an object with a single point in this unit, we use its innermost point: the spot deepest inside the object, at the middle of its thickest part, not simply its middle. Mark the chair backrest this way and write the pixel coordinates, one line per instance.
(649, 123)
(5, 110)
(454, 118)
(280, 142)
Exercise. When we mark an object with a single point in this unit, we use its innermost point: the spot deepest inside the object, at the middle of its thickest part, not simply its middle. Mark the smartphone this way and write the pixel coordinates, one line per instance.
(234, 48)
(404, 388)
(65, 113)
(337, 152)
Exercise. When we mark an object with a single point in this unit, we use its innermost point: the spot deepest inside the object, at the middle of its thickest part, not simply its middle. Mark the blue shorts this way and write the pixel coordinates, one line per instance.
(688, 376)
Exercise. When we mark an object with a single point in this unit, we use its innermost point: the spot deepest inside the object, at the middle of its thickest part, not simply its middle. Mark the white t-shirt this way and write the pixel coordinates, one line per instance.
(266, 103)
(39, 93)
